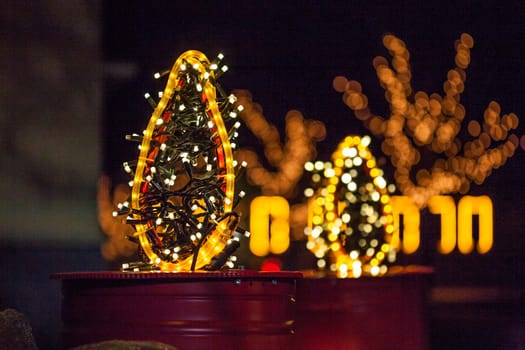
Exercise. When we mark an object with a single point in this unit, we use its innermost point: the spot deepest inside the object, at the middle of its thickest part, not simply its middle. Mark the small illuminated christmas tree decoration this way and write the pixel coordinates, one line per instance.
(350, 222)
(182, 193)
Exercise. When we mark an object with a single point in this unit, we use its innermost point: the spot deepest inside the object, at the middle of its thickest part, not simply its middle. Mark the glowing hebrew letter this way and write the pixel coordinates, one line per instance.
(468, 206)
(270, 231)
(445, 206)
(405, 206)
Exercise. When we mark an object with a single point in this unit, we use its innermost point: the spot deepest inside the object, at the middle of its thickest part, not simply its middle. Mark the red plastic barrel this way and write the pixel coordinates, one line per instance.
(236, 309)
(368, 313)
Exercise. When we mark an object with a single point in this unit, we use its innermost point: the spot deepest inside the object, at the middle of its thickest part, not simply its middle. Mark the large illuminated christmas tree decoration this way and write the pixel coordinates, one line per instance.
(429, 124)
(182, 193)
(350, 224)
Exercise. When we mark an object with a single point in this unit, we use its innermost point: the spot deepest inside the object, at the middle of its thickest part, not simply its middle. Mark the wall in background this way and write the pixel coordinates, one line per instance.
(50, 93)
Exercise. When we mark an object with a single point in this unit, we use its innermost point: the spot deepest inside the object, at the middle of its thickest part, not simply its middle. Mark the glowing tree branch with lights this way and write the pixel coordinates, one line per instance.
(182, 193)
(288, 157)
(420, 121)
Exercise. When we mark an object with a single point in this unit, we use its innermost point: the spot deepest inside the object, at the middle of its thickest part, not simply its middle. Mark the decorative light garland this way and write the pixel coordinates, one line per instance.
(182, 196)
(422, 122)
(350, 223)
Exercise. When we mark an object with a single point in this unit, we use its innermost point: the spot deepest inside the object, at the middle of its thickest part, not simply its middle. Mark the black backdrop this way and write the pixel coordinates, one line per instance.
(287, 54)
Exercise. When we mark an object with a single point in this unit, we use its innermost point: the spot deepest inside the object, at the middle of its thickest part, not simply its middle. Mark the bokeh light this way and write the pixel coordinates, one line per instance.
(288, 159)
(350, 221)
(421, 122)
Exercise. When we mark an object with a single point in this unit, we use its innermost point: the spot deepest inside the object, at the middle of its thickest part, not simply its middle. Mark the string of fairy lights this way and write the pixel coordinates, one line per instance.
(182, 193)
(286, 156)
(431, 122)
(350, 224)
(182, 196)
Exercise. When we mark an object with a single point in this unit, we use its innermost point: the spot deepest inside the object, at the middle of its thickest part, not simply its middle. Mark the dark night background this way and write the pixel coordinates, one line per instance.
(287, 54)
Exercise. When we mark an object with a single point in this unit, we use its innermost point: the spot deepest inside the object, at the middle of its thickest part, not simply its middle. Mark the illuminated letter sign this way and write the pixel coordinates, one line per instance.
(270, 231)
(404, 205)
(444, 206)
(467, 207)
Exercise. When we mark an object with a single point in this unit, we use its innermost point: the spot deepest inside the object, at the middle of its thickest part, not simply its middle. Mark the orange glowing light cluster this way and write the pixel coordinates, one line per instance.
(350, 222)
(288, 159)
(420, 122)
(117, 245)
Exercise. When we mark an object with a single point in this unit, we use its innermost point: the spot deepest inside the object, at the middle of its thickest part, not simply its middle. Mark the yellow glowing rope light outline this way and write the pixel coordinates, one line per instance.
(217, 240)
(341, 257)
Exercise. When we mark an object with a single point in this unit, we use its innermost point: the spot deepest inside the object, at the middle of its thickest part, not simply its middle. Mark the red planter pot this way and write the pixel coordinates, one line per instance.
(388, 312)
(201, 310)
